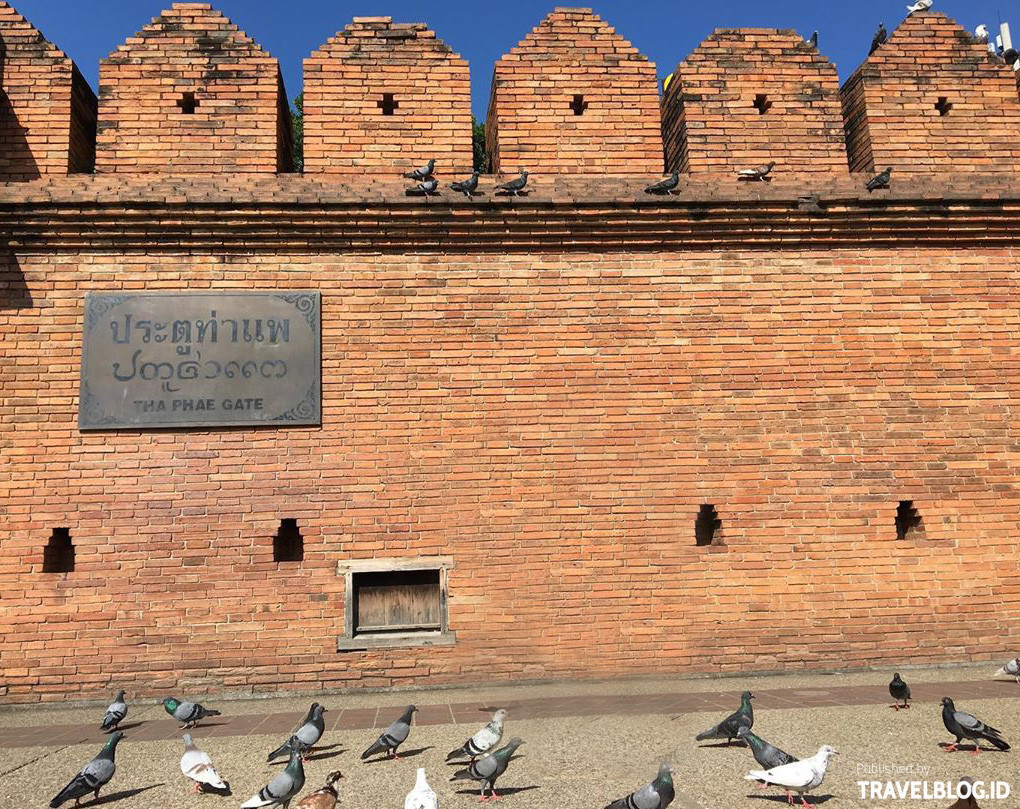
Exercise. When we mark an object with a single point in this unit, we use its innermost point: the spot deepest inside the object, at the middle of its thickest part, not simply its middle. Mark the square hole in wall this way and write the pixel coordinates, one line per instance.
(908, 521)
(288, 544)
(58, 555)
(707, 527)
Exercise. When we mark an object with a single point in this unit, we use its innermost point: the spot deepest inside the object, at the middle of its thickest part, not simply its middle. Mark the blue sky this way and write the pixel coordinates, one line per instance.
(482, 30)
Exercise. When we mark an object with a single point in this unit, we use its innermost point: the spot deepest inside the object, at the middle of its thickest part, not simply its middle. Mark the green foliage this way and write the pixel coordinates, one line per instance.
(478, 141)
(297, 123)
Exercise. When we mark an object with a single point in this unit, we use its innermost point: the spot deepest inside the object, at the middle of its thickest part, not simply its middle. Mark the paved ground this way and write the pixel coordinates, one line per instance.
(585, 743)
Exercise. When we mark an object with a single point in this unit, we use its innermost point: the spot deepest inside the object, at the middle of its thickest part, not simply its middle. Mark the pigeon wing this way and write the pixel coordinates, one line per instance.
(797, 775)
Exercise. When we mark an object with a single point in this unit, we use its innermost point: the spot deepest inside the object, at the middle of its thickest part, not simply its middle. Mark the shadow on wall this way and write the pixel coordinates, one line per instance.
(16, 161)
(14, 293)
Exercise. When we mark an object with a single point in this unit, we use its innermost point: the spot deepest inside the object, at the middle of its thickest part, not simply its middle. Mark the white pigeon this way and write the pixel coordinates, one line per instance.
(1011, 669)
(483, 741)
(422, 796)
(920, 5)
(798, 776)
(197, 766)
(981, 34)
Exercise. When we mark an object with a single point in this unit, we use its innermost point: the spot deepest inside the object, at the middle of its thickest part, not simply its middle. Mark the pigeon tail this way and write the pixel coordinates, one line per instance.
(460, 751)
(378, 746)
(282, 750)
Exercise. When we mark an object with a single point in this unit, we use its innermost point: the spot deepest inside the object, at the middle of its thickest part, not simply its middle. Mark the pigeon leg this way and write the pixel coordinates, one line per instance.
(950, 748)
(804, 802)
(977, 749)
(789, 797)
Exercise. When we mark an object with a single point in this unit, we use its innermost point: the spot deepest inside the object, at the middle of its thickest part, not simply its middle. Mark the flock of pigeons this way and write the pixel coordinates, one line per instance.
(487, 761)
(428, 185)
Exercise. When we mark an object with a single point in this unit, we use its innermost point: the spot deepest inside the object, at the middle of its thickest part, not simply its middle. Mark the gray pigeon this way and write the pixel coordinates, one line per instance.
(899, 691)
(1011, 669)
(656, 795)
(964, 726)
(664, 186)
(488, 768)
(757, 173)
(729, 728)
(880, 38)
(515, 186)
(93, 776)
(394, 736)
(424, 173)
(307, 735)
(280, 791)
(190, 713)
(426, 188)
(763, 752)
(813, 42)
(115, 713)
(880, 180)
(467, 187)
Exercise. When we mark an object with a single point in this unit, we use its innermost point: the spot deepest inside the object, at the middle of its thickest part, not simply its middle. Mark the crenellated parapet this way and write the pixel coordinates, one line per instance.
(192, 94)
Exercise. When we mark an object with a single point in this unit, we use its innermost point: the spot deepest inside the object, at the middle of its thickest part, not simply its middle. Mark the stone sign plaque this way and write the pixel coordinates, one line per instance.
(200, 359)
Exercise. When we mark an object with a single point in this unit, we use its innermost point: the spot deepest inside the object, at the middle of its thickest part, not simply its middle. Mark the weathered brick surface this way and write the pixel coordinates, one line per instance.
(346, 81)
(889, 103)
(531, 123)
(710, 121)
(47, 109)
(240, 123)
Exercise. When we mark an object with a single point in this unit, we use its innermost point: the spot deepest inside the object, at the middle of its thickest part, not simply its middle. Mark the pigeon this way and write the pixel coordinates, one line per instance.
(899, 691)
(93, 776)
(664, 186)
(483, 741)
(810, 202)
(190, 713)
(514, 187)
(881, 35)
(799, 776)
(981, 34)
(394, 736)
(964, 726)
(426, 188)
(920, 5)
(467, 187)
(729, 728)
(759, 173)
(307, 735)
(196, 765)
(424, 173)
(970, 802)
(488, 768)
(764, 753)
(655, 795)
(324, 798)
(280, 791)
(880, 180)
(115, 713)
(1011, 669)
(422, 796)
(813, 42)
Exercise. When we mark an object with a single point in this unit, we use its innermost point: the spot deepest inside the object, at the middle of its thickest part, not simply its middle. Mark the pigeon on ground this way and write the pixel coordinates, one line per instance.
(93, 776)
(483, 741)
(307, 735)
(920, 5)
(665, 186)
(881, 35)
(426, 188)
(284, 786)
(800, 776)
(394, 736)
(899, 691)
(467, 187)
(880, 180)
(190, 713)
(655, 795)
(757, 173)
(196, 765)
(115, 713)
(488, 768)
(424, 173)
(422, 796)
(964, 726)
(515, 186)
(729, 728)
(324, 798)
(813, 42)
(764, 753)
(1011, 669)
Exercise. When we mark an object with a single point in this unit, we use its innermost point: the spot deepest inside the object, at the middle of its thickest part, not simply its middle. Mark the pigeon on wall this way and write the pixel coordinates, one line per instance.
(284, 786)
(190, 713)
(880, 180)
(801, 776)
(115, 713)
(981, 34)
(920, 5)
(422, 796)
(813, 42)
(426, 188)
(197, 766)
(324, 798)
(758, 173)
(764, 753)
(483, 741)
(488, 768)
(307, 735)
(665, 186)
(467, 187)
(657, 794)
(729, 728)
(515, 186)
(1011, 669)
(394, 736)
(424, 173)
(899, 691)
(880, 38)
(93, 776)
(965, 726)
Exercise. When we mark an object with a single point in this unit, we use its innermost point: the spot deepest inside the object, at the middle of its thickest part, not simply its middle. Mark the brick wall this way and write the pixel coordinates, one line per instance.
(750, 95)
(47, 110)
(893, 103)
(375, 65)
(574, 61)
(191, 58)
